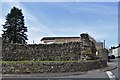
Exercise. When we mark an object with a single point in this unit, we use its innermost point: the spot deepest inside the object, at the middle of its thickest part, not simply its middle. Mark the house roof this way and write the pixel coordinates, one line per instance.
(53, 38)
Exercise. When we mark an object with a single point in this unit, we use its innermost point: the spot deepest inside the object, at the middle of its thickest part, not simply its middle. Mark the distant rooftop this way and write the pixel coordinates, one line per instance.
(53, 38)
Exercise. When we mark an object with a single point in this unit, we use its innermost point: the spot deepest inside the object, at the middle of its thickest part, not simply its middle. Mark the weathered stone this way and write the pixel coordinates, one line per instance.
(41, 67)
(88, 49)
(66, 51)
(52, 52)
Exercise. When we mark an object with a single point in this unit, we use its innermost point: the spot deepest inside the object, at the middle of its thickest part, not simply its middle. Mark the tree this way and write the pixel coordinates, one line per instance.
(14, 27)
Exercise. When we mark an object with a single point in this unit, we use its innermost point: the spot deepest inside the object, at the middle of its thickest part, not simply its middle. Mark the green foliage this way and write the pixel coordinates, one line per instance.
(14, 27)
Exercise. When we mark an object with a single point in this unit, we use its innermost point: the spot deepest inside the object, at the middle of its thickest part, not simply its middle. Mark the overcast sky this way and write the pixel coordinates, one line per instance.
(99, 19)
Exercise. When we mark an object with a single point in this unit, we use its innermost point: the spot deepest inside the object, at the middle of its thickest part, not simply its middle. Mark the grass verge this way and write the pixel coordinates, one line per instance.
(31, 61)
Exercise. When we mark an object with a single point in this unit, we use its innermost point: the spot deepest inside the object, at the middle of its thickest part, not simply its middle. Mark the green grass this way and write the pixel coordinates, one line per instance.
(40, 61)
(22, 62)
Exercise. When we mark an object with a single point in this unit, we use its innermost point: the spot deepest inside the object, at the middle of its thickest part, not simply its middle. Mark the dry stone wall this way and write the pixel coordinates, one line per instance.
(17, 52)
(52, 67)
(51, 52)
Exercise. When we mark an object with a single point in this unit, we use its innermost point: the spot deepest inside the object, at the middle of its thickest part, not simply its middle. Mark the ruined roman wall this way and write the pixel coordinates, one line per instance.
(66, 51)
(60, 55)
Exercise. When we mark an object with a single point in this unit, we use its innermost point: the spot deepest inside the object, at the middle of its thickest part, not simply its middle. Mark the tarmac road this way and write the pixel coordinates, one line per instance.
(108, 73)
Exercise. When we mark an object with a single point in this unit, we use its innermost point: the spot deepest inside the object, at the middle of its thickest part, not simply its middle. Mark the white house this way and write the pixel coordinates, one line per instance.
(116, 51)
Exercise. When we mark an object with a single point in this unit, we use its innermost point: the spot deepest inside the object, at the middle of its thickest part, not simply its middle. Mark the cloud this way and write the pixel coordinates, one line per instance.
(101, 31)
(60, 0)
(36, 29)
(2, 21)
(90, 8)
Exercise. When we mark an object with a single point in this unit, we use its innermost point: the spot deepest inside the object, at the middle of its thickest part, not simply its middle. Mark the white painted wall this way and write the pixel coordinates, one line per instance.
(116, 52)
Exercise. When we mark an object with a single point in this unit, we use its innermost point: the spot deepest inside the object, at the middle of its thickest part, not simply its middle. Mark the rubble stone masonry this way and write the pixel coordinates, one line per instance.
(52, 67)
(17, 52)
(70, 52)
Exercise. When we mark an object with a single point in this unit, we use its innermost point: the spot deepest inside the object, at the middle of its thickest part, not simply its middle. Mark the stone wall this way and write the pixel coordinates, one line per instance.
(52, 67)
(62, 52)
(0, 48)
(103, 53)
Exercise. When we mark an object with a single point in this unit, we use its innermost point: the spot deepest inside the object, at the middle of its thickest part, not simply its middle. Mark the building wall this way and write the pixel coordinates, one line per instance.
(116, 52)
(48, 41)
(99, 45)
(67, 40)
(61, 40)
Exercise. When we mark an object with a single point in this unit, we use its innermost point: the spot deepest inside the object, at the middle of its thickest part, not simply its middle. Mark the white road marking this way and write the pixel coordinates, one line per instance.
(110, 75)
